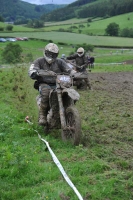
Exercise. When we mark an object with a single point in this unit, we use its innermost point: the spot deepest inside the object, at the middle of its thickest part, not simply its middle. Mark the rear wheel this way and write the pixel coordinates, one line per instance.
(73, 122)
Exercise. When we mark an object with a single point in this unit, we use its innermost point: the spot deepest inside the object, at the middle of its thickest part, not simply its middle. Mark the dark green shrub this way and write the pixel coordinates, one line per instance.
(1, 29)
(9, 28)
(112, 29)
(12, 53)
(62, 43)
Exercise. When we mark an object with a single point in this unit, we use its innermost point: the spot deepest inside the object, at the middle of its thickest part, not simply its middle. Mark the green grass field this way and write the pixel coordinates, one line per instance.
(101, 166)
(73, 38)
(97, 27)
(102, 55)
(27, 169)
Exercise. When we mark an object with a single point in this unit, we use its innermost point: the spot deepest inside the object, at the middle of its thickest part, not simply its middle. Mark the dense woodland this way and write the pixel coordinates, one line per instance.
(21, 12)
(17, 10)
(90, 8)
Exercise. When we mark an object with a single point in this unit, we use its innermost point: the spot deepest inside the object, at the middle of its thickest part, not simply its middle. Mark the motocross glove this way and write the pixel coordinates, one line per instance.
(52, 73)
(34, 75)
(73, 72)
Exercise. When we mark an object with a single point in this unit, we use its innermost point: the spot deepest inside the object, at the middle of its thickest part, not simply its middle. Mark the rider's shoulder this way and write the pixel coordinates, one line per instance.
(39, 59)
(59, 60)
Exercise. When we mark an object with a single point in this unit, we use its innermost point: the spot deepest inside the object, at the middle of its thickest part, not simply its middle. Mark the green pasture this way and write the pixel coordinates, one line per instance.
(99, 67)
(36, 48)
(17, 27)
(114, 55)
(73, 38)
(70, 22)
(95, 166)
(102, 55)
(96, 27)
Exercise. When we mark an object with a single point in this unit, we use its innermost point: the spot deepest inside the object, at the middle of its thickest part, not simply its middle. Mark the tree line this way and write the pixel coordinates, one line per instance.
(21, 12)
(90, 8)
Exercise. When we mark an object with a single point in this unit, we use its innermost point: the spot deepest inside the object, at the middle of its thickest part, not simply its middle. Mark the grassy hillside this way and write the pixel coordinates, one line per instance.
(100, 167)
(96, 27)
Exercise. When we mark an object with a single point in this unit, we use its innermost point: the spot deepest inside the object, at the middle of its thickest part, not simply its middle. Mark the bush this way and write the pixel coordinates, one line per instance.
(1, 19)
(126, 32)
(89, 20)
(81, 26)
(87, 47)
(62, 43)
(61, 30)
(1, 29)
(12, 53)
(9, 28)
(79, 31)
(112, 29)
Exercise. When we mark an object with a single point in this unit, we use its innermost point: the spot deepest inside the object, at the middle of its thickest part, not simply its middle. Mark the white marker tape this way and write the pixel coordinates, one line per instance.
(57, 162)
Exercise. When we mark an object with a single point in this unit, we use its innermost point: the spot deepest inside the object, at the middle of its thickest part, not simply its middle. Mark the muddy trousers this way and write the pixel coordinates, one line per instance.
(43, 103)
(88, 83)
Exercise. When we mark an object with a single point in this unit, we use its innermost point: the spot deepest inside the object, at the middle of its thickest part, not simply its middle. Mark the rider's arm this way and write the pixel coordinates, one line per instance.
(85, 63)
(63, 66)
(72, 57)
(37, 70)
(35, 66)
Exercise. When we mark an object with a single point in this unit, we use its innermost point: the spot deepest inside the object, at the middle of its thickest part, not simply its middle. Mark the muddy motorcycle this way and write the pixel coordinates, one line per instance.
(62, 113)
(81, 80)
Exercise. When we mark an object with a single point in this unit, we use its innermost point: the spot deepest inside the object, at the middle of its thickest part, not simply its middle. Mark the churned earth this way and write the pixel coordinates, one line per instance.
(107, 118)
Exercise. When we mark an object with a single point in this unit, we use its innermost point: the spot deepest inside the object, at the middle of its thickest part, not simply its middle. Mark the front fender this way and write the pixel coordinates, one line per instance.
(73, 94)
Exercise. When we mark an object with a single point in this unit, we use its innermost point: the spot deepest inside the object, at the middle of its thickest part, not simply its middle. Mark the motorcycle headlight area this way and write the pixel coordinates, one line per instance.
(64, 80)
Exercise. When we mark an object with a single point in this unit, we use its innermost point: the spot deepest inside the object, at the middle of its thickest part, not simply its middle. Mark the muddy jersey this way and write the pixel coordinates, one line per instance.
(80, 61)
(58, 66)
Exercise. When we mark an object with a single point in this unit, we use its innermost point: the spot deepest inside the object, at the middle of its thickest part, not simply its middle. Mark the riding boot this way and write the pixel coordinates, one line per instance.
(89, 86)
(42, 120)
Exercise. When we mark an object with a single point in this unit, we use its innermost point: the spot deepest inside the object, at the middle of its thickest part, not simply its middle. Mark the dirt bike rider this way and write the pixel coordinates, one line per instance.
(52, 65)
(81, 64)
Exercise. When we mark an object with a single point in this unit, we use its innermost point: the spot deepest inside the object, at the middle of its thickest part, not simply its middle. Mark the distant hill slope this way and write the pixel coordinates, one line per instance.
(12, 10)
(90, 8)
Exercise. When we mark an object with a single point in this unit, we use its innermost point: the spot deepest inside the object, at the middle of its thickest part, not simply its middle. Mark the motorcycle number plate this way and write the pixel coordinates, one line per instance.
(64, 79)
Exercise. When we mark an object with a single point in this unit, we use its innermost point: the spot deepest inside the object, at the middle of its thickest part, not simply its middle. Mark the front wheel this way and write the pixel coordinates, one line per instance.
(72, 132)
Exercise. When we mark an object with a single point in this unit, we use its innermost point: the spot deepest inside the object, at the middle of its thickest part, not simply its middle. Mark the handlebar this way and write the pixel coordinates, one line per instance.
(50, 73)
(78, 75)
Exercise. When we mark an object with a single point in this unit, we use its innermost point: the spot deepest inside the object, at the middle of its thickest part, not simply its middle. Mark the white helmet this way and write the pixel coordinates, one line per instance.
(51, 52)
(80, 51)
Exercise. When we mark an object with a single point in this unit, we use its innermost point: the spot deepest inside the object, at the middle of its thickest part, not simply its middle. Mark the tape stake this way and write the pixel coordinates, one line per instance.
(58, 164)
